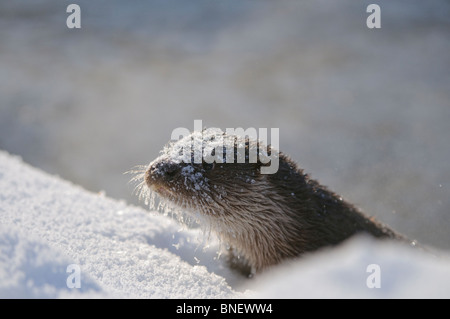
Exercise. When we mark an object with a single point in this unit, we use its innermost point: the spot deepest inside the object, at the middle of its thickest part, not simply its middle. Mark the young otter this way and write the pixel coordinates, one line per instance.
(263, 218)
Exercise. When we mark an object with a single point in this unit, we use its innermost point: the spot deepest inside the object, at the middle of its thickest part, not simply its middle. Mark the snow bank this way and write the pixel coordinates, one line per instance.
(122, 251)
(30, 268)
(361, 268)
(48, 224)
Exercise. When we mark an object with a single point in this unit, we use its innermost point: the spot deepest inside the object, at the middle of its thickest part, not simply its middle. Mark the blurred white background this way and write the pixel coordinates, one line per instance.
(364, 111)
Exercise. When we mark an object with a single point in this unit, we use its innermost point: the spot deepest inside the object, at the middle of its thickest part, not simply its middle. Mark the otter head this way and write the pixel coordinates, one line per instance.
(209, 172)
(217, 178)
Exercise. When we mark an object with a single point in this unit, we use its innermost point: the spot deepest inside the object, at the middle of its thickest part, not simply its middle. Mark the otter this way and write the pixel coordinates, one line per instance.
(263, 218)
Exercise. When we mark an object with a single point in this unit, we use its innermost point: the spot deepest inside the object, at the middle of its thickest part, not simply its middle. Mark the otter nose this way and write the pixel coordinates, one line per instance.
(169, 168)
(163, 168)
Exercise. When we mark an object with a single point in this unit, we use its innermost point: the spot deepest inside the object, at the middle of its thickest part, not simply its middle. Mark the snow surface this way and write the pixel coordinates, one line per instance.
(47, 224)
(123, 251)
(343, 273)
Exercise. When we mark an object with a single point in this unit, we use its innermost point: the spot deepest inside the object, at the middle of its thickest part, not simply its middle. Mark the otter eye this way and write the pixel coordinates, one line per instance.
(208, 166)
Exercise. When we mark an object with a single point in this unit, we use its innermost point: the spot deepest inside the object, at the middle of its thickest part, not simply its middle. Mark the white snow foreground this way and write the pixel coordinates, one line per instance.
(361, 268)
(48, 225)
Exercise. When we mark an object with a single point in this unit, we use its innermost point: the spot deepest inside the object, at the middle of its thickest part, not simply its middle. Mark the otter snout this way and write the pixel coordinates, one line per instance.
(160, 171)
